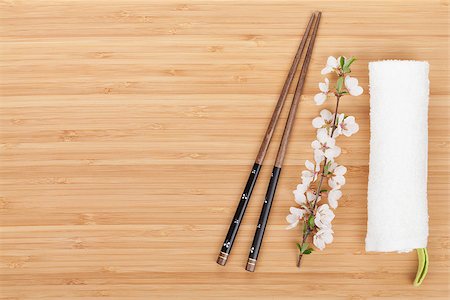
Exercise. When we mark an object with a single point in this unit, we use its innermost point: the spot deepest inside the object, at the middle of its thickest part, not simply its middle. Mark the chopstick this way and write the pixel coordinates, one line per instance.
(263, 218)
(245, 198)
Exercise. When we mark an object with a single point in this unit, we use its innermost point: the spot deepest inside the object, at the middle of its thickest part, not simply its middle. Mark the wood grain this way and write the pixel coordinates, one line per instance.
(128, 128)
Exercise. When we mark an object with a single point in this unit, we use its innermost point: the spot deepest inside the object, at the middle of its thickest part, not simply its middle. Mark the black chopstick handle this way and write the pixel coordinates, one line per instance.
(263, 219)
(238, 215)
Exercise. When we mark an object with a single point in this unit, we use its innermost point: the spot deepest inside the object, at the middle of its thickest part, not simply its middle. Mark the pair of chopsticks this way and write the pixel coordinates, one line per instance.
(263, 218)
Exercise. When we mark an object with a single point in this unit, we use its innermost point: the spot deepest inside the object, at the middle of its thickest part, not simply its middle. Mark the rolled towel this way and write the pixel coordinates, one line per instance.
(397, 192)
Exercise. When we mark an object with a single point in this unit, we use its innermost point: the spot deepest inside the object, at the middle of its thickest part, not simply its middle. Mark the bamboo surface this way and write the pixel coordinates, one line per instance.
(128, 129)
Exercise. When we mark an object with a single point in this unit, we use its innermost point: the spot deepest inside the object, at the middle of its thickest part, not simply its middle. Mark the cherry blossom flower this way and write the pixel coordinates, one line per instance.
(332, 63)
(311, 173)
(324, 216)
(324, 89)
(311, 195)
(346, 126)
(296, 214)
(299, 193)
(351, 83)
(325, 145)
(336, 175)
(333, 196)
(322, 237)
(325, 120)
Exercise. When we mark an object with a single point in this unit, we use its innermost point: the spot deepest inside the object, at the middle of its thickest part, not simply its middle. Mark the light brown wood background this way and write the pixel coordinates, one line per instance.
(128, 129)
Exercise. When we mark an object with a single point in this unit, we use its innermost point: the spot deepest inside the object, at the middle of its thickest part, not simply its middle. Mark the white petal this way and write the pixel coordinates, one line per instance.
(300, 197)
(318, 156)
(350, 82)
(332, 153)
(307, 174)
(326, 70)
(333, 203)
(333, 197)
(307, 177)
(310, 196)
(332, 183)
(332, 62)
(326, 115)
(327, 237)
(329, 154)
(356, 91)
(318, 242)
(350, 120)
(323, 87)
(337, 132)
(318, 122)
(352, 129)
(322, 135)
(319, 222)
(320, 98)
(315, 144)
(292, 225)
(297, 212)
(340, 180)
(291, 218)
(302, 188)
(330, 141)
(317, 169)
(333, 166)
(309, 165)
(340, 170)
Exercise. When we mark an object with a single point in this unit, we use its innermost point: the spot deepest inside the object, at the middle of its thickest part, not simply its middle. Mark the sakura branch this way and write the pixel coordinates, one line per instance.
(324, 178)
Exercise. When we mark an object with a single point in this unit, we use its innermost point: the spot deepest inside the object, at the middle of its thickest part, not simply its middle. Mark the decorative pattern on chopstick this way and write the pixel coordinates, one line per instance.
(265, 211)
(245, 198)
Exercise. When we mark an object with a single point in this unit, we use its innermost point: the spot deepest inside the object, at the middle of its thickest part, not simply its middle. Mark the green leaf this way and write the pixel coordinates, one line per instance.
(339, 84)
(299, 247)
(342, 61)
(308, 251)
(304, 247)
(323, 191)
(311, 222)
(348, 63)
(326, 167)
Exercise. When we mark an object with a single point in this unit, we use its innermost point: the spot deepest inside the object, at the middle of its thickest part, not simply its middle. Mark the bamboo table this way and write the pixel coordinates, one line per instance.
(128, 129)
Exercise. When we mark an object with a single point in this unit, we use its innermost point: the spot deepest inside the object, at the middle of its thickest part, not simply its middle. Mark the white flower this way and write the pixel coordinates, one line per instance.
(311, 195)
(324, 216)
(333, 196)
(325, 120)
(325, 145)
(322, 237)
(318, 156)
(351, 83)
(311, 174)
(346, 126)
(332, 63)
(322, 96)
(299, 193)
(337, 179)
(296, 214)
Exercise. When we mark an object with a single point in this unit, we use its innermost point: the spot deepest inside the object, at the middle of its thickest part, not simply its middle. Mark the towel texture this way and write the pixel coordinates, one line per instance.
(397, 192)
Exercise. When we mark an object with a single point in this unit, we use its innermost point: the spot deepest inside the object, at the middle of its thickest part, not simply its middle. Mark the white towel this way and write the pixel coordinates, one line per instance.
(397, 192)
